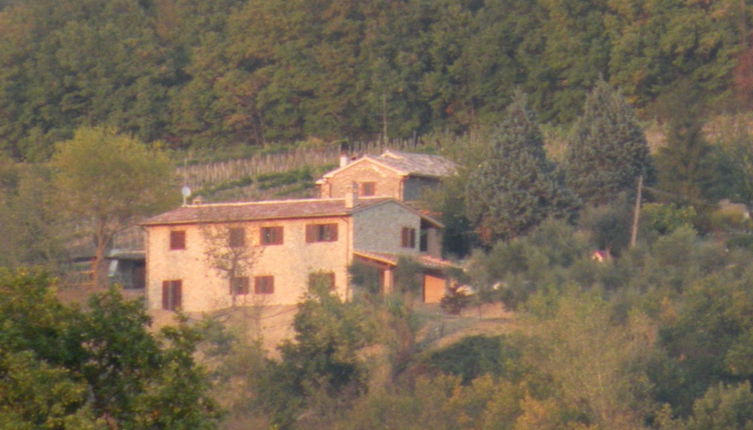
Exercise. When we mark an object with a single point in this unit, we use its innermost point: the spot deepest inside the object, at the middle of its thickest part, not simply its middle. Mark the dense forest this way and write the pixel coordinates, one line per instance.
(623, 270)
(208, 74)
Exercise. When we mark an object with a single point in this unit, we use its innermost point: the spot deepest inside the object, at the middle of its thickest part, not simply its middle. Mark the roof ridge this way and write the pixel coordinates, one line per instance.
(313, 199)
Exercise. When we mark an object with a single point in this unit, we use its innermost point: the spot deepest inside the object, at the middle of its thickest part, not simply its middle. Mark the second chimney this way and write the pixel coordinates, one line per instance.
(351, 197)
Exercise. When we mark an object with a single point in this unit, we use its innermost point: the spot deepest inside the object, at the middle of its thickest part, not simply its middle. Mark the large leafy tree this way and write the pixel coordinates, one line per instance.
(65, 368)
(608, 150)
(597, 366)
(106, 180)
(516, 187)
(323, 359)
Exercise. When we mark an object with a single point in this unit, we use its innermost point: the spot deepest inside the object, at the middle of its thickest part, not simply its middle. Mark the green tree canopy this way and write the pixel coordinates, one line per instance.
(106, 180)
(323, 359)
(608, 150)
(65, 368)
(516, 187)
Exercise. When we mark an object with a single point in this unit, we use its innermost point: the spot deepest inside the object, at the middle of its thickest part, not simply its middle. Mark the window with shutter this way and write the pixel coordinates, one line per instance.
(177, 239)
(367, 189)
(271, 236)
(239, 286)
(172, 295)
(321, 233)
(264, 285)
(237, 237)
(408, 237)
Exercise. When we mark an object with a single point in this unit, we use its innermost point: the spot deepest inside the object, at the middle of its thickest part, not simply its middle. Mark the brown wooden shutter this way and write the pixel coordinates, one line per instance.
(333, 232)
(237, 237)
(413, 238)
(177, 294)
(178, 239)
(166, 295)
(311, 230)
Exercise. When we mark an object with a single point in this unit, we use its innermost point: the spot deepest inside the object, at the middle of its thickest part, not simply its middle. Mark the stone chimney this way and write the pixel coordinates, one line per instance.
(351, 198)
(344, 159)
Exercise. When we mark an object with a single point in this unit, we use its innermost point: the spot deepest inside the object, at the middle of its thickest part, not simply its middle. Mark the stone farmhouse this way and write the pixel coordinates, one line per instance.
(205, 257)
(401, 175)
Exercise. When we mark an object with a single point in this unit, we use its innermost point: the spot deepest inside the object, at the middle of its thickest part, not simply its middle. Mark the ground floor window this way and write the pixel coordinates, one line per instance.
(172, 295)
(264, 285)
(239, 286)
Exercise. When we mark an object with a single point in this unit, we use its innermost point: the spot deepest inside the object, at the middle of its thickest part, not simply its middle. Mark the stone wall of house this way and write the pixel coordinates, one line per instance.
(205, 288)
(379, 228)
(388, 182)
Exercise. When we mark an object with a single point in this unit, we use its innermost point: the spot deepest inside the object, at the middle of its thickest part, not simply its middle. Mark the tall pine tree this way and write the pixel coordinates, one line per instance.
(685, 164)
(516, 187)
(608, 150)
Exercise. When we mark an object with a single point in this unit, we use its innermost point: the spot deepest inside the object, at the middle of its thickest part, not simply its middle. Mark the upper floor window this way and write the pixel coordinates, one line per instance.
(239, 286)
(264, 285)
(237, 237)
(178, 239)
(271, 236)
(408, 237)
(172, 295)
(367, 189)
(321, 233)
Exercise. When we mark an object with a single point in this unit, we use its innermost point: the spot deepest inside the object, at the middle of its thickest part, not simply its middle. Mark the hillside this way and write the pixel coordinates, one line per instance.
(240, 72)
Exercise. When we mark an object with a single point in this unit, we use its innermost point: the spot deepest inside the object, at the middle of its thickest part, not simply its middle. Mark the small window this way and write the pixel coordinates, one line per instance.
(408, 237)
(178, 239)
(321, 233)
(322, 278)
(271, 236)
(423, 243)
(264, 285)
(367, 189)
(237, 237)
(239, 286)
(172, 292)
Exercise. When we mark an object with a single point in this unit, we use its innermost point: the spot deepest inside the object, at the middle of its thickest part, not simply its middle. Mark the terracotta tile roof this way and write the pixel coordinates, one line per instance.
(418, 164)
(392, 259)
(250, 211)
(404, 163)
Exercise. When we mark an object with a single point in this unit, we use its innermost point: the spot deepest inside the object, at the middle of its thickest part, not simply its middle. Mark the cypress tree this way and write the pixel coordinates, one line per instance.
(608, 149)
(516, 187)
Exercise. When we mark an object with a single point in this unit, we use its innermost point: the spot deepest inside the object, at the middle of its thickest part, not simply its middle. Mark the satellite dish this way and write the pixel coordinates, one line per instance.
(186, 191)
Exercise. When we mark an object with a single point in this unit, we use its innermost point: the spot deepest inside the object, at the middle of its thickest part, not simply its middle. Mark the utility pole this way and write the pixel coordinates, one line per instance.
(384, 117)
(636, 213)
